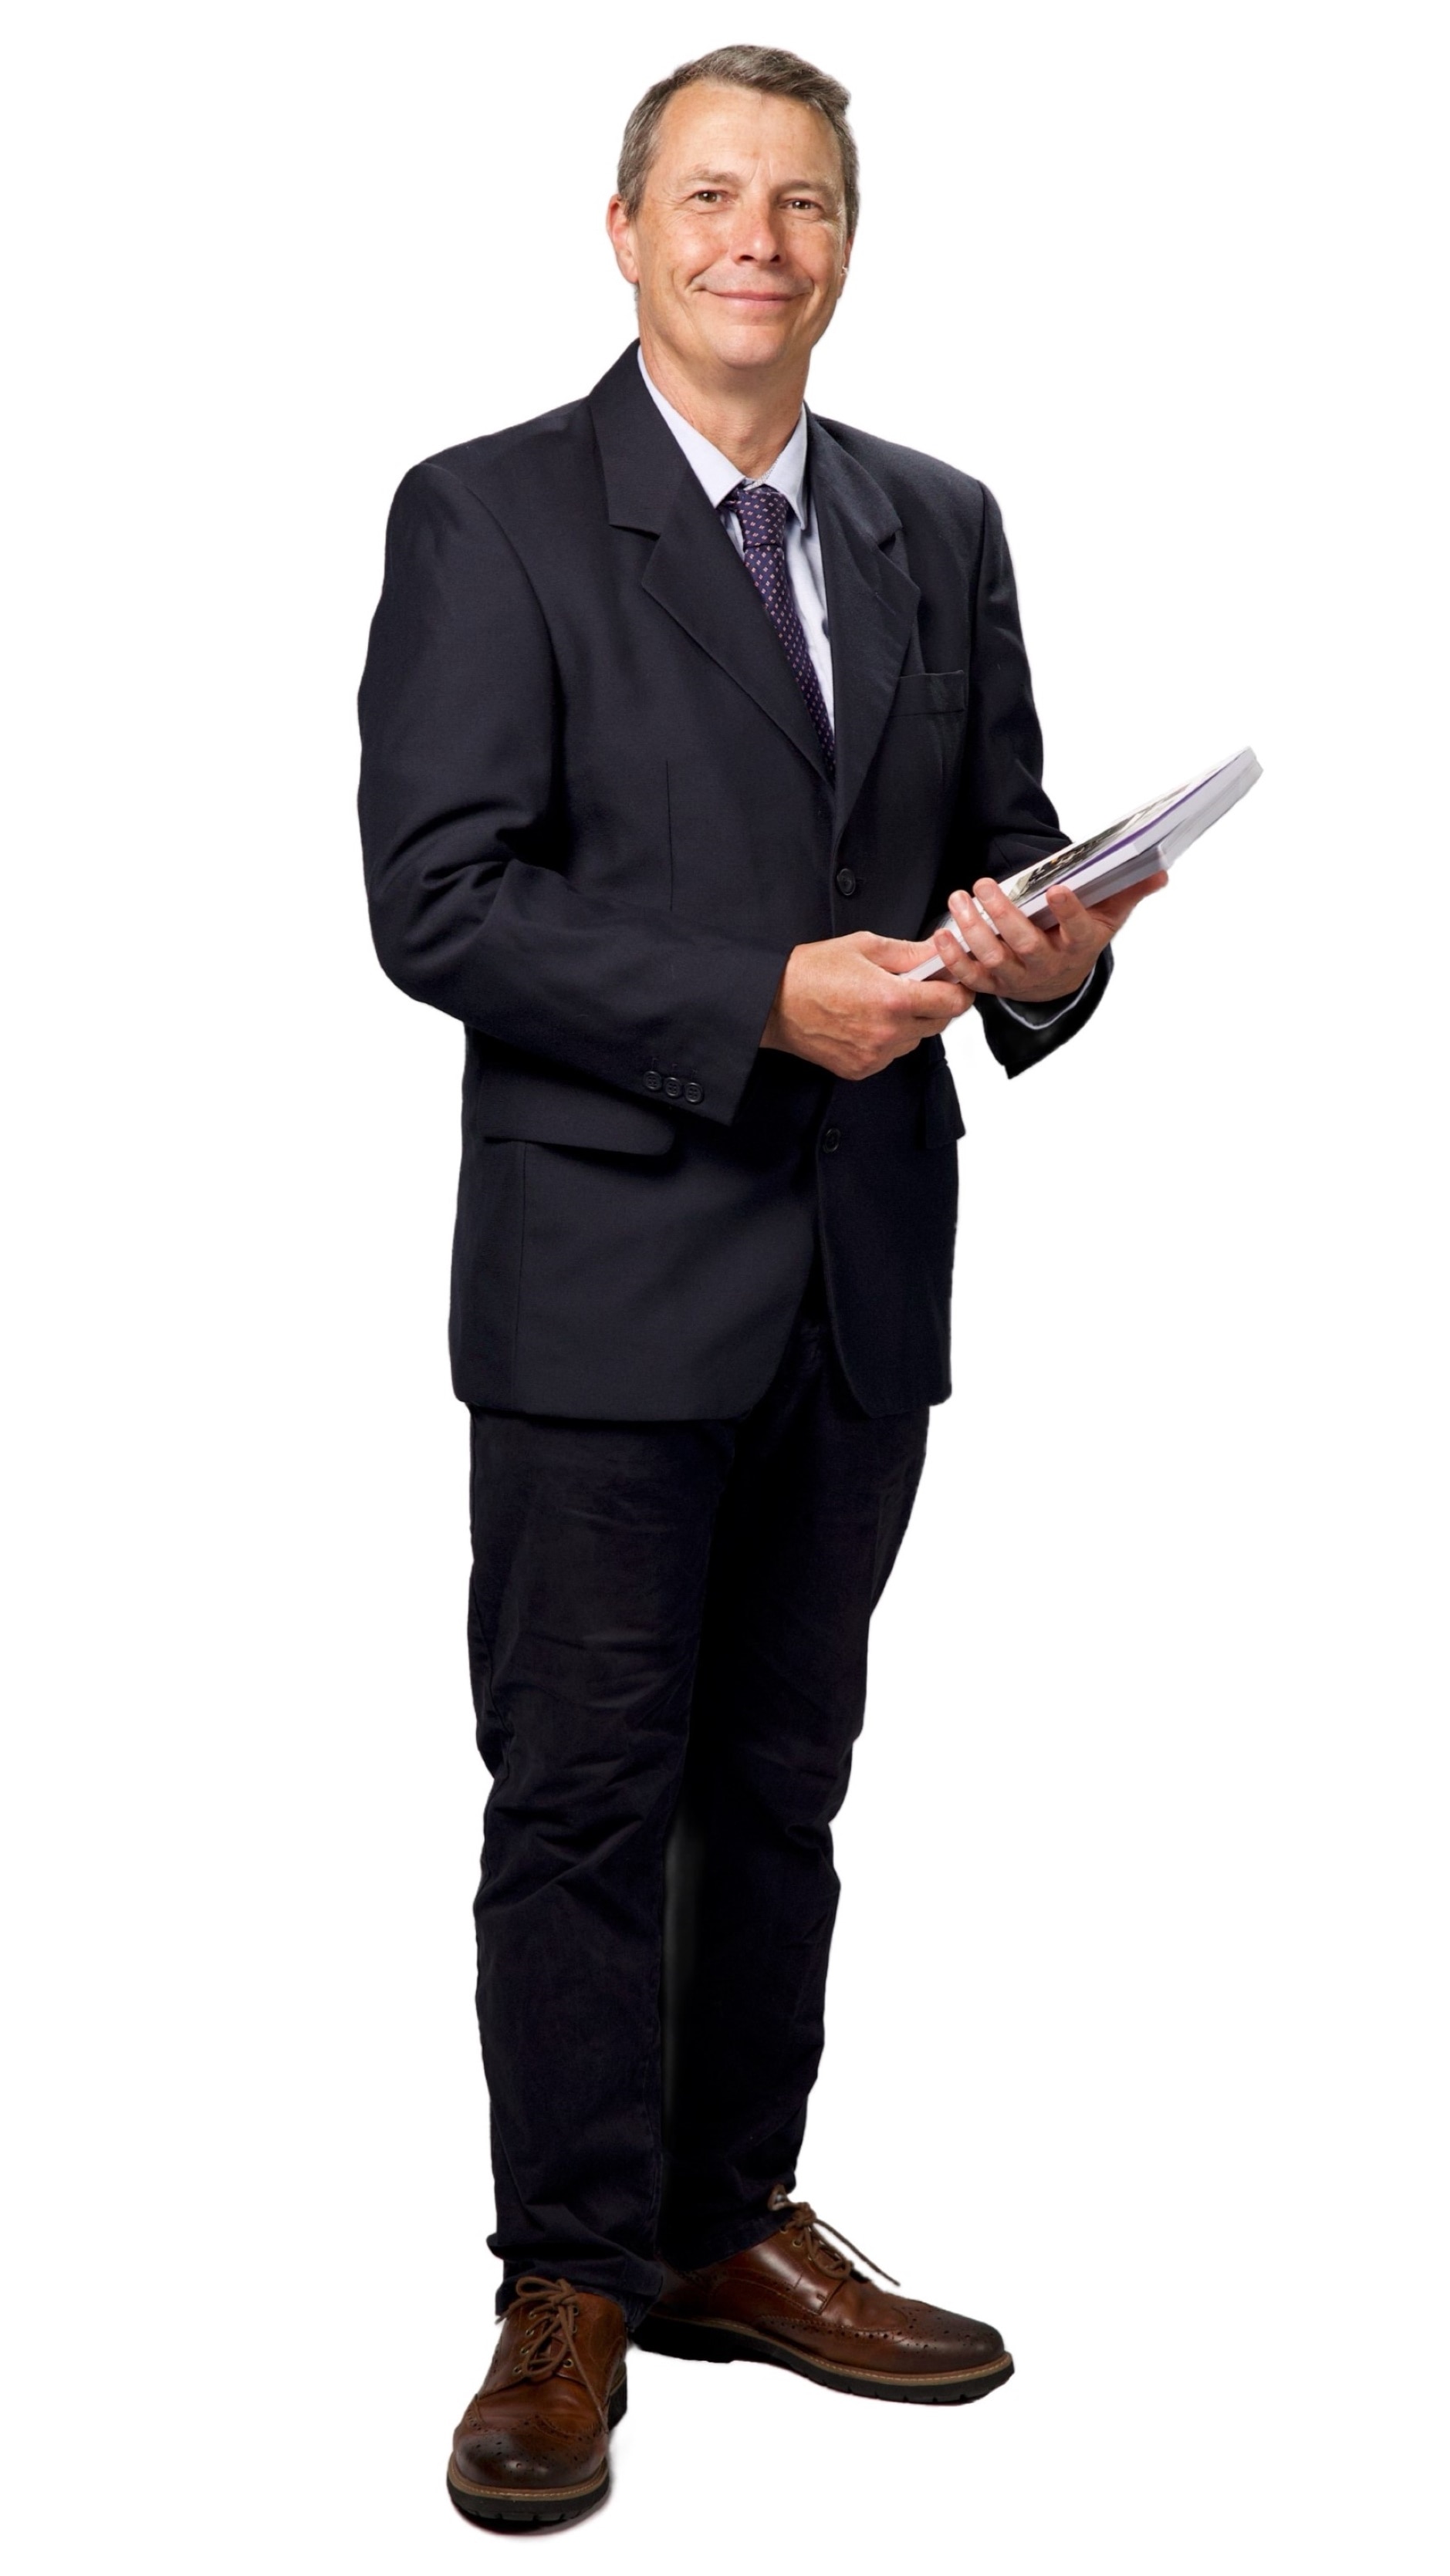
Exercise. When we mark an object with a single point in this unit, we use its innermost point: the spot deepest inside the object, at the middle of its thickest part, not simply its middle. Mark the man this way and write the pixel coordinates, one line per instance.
(686, 714)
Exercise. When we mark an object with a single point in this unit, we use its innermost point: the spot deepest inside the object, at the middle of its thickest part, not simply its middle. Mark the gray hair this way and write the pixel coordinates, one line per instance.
(763, 67)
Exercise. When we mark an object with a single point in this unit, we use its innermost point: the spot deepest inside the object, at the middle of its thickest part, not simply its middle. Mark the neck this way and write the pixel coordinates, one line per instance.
(749, 422)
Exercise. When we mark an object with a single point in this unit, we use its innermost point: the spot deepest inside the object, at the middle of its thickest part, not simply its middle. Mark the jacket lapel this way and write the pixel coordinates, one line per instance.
(697, 575)
(871, 603)
(693, 570)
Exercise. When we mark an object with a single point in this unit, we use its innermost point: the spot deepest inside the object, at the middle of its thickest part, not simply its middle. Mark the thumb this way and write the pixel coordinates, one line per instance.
(897, 956)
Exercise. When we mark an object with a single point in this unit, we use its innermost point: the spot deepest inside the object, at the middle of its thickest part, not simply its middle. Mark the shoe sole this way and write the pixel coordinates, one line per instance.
(687, 2341)
(538, 2508)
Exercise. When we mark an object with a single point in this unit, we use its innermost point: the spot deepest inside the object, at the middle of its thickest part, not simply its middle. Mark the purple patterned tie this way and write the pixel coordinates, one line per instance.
(763, 512)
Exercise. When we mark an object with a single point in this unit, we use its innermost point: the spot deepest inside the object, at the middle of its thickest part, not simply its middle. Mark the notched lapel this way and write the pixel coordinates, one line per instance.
(693, 572)
(697, 575)
(871, 602)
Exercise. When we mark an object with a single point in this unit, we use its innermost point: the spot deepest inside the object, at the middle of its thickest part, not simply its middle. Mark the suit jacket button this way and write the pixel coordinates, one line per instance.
(654, 1081)
(673, 1086)
(845, 881)
(830, 1139)
(694, 1091)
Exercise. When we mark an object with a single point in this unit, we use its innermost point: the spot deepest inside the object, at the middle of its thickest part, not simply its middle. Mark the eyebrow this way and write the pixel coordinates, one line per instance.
(731, 179)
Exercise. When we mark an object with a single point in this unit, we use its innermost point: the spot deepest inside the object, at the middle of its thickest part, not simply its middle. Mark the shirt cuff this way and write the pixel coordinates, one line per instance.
(1044, 1015)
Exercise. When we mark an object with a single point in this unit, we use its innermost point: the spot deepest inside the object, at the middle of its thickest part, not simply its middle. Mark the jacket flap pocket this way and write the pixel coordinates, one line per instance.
(533, 1109)
(941, 1116)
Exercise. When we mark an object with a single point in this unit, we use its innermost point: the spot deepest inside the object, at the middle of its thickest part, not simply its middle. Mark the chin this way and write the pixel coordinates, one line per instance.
(751, 344)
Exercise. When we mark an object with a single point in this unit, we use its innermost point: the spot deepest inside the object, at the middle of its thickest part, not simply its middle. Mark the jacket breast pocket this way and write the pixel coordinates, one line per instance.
(931, 693)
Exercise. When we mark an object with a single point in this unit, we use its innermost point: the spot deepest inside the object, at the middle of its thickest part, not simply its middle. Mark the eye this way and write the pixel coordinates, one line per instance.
(707, 196)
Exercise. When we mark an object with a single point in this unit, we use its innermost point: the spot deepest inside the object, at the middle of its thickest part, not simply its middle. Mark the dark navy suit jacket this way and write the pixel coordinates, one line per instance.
(596, 819)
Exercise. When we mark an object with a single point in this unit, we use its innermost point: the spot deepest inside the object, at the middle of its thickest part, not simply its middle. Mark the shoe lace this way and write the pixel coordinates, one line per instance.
(549, 2314)
(804, 2232)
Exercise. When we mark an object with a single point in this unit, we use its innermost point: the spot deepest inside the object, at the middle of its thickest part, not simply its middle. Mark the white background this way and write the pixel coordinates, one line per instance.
(1136, 2024)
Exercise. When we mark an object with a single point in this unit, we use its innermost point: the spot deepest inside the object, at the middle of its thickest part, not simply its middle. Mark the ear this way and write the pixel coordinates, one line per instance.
(620, 229)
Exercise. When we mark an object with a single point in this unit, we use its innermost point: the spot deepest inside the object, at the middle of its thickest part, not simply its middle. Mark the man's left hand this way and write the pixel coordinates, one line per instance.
(1032, 961)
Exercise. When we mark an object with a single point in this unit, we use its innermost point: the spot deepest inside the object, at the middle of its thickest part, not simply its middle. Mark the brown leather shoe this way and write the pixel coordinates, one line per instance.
(533, 2447)
(794, 2300)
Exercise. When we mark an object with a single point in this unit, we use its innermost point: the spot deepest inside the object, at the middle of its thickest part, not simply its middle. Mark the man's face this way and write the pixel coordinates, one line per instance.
(738, 246)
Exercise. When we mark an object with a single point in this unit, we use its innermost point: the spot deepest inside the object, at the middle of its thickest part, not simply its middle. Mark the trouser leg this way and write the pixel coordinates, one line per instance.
(811, 1517)
(591, 1550)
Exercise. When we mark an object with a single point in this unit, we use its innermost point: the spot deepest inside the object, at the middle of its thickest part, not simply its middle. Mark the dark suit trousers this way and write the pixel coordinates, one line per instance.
(668, 1627)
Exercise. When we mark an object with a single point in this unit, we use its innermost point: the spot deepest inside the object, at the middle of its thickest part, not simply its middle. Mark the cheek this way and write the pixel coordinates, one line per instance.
(822, 263)
(669, 261)
(685, 284)
(694, 248)
(828, 287)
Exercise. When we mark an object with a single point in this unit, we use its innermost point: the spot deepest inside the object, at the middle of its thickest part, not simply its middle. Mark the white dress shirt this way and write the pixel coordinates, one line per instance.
(787, 476)
(807, 580)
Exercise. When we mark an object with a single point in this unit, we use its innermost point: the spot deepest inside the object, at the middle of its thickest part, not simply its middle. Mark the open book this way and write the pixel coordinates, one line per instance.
(1137, 847)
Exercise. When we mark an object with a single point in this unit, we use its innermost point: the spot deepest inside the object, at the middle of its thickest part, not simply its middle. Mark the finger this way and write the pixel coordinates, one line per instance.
(980, 936)
(932, 1003)
(895, 956)
(1013, 928)
(964, 969)
(920, 1008)
(1078, 927)
(959, 963)
(1115, 911)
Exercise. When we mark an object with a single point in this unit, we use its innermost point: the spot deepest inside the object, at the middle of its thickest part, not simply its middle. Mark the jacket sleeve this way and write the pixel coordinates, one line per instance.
(1005, 819)
(463, 836)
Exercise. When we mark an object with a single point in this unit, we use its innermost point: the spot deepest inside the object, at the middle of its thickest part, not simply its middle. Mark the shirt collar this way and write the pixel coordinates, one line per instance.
(719, 477)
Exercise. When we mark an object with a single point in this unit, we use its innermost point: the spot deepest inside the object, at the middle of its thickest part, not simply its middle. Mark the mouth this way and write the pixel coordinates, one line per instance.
(743, 295)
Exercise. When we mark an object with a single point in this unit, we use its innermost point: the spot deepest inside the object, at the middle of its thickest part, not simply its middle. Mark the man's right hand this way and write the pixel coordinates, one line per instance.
(841, 1003)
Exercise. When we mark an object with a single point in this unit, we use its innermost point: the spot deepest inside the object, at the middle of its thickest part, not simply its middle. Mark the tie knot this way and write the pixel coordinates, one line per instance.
(762, 512)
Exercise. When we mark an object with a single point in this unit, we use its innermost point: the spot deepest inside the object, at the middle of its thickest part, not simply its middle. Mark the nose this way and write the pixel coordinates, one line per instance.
(754, 236)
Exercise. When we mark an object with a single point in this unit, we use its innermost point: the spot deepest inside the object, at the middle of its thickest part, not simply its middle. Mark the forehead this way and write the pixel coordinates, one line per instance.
(720, 127)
